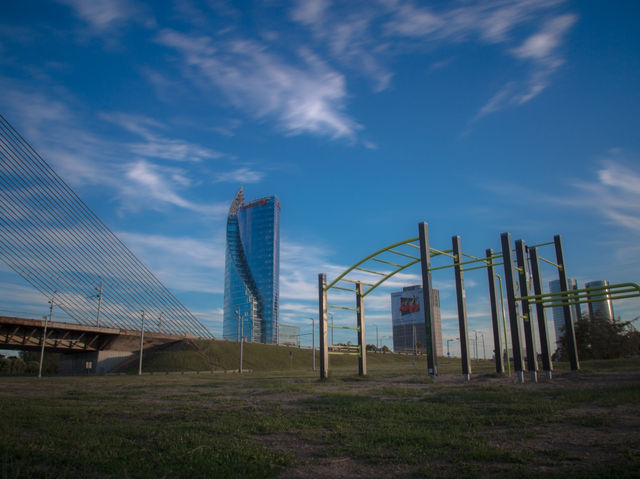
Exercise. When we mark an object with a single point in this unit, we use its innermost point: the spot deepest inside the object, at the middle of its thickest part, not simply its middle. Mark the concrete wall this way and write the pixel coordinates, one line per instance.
(102, 362)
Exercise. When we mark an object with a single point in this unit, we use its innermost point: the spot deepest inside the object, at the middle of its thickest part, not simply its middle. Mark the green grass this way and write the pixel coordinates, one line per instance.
(392, 423)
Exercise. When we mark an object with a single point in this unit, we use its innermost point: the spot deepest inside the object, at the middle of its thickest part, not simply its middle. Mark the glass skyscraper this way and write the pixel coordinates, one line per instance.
(252, 270)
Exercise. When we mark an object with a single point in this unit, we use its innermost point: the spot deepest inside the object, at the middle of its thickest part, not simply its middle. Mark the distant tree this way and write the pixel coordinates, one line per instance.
(385, 349)
(371, 347)
(599, 338)
(32, 362)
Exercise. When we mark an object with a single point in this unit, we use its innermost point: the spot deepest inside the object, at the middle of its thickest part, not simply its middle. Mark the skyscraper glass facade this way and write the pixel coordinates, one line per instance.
(252, 270)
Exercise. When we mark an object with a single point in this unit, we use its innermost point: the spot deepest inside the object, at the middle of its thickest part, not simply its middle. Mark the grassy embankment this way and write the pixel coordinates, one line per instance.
(394, 423)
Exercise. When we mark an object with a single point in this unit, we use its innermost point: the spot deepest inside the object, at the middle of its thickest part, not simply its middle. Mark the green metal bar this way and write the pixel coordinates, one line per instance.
(370, 271)
(403, 254)
(541, 244)
(484, 266)
(344, 327)
(386, 262)
(354, 282)
(413, 245)
(344, 353)
(550, 262)
(344, 289)
(446, 253)
(341, 307)
(595, 294)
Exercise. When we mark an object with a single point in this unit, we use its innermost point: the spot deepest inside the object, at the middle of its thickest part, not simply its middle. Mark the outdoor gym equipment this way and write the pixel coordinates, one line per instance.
(401, 255)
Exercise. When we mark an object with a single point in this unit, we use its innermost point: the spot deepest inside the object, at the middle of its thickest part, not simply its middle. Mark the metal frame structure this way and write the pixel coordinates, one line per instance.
(51, 238)
(395, 258)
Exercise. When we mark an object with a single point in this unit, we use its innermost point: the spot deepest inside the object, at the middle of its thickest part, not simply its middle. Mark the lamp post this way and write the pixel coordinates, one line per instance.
(44, 334)
(476, 342)
(141, 343)
(331, 316)
(240, 337)
(313, 344)
(99, 304)
(504, 326)
(448, 341)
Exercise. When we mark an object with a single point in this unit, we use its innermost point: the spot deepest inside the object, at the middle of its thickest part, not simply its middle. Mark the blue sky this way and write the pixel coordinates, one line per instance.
(364, 118)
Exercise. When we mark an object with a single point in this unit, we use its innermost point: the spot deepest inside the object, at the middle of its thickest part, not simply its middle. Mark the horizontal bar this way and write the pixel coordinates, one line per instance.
(413, 245)
(547, 261)
(403, 254)
(341, 307)
(364, 270)
(386, 262)
(354, 282)
(446, 253)
(540, 244)
(345, 353)
(343, 289)
(344, 327)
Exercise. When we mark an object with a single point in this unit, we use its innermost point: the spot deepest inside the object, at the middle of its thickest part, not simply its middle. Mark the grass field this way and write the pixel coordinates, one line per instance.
(395, 422)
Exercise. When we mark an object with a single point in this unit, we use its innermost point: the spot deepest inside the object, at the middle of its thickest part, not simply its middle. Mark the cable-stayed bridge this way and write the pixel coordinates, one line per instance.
(51, 238)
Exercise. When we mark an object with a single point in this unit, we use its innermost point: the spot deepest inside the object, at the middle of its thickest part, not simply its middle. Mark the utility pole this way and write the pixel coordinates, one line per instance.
(141, 343)
(44, 334)
(240, 337)
(313, 344)
(377, 342)
(99, 304)
(484, 351)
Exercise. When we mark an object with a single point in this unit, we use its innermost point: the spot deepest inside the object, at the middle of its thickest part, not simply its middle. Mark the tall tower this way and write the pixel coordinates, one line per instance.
(604, 307)
(252, 270)
(558, 311)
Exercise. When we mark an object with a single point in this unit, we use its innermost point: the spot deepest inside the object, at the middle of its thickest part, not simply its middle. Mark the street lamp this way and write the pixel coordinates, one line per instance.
(141, 343)
(313, 343)
(448, 341)
(44, 334)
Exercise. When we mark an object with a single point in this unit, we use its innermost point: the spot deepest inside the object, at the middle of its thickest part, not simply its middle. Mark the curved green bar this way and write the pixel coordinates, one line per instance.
(371, 256)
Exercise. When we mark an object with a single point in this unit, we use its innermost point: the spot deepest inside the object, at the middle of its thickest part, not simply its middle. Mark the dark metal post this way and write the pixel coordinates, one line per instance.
(362, 362)
(514, 319)
(569, 329)
(542, 320)
(462, 308)
(529, 335)
(495, 315)
(427, 296)
(322, 326)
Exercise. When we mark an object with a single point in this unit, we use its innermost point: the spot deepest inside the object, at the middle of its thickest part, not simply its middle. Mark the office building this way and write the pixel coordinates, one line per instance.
(407, 315)
(252, 269)
(558, 311)
(601, 305)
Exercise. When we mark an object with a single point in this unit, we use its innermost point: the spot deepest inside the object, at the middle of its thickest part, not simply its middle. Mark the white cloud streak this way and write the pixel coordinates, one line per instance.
(308, 97)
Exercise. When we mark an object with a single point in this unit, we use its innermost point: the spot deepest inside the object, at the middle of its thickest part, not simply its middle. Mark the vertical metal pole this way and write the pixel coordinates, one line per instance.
(514, 319)
(542, 320)
(99, 304)
(322, 326)
(427, 296)
(462, 308)
(523, 279)
(141, 344)
(362, 362)
(495, 321)
(313, 344)
(569, 330)
(241, 344)
(44, 336)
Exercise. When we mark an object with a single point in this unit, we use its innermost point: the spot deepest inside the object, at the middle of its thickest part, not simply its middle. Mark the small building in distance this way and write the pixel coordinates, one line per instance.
(289, 335)
(407, 316)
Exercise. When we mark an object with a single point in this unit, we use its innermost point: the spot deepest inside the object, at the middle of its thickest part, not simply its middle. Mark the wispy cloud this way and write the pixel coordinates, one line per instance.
(156, 145)
(182, 263)
(308, 97)
(104, 15)
(368, 42)
(615, 193)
